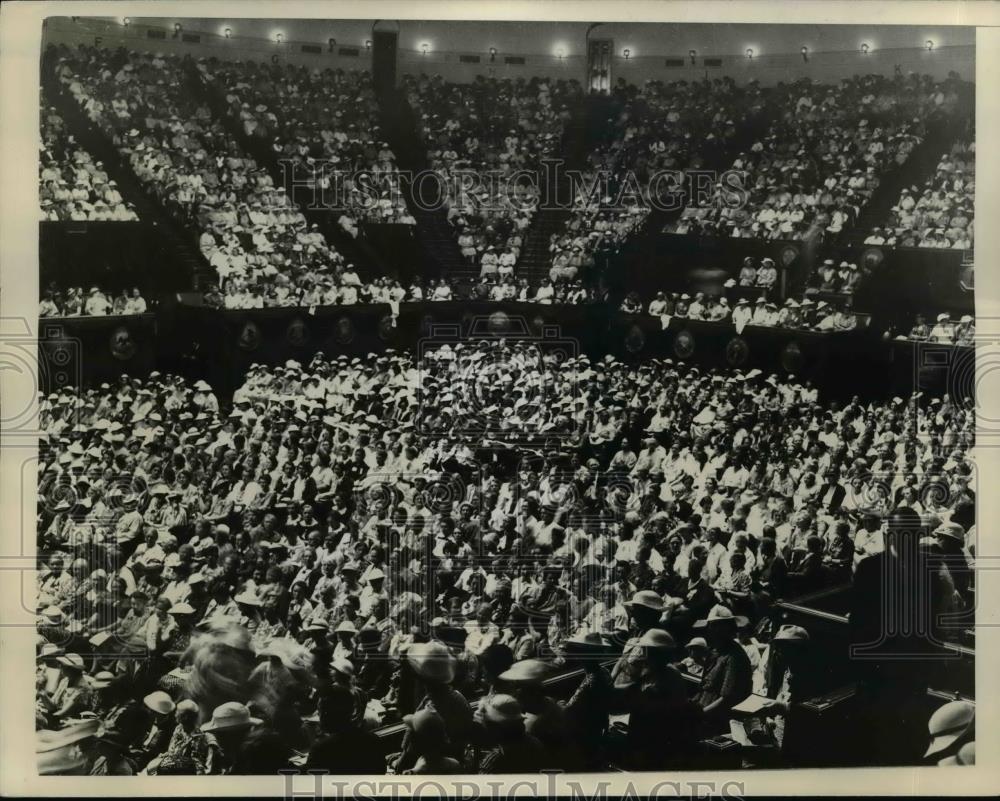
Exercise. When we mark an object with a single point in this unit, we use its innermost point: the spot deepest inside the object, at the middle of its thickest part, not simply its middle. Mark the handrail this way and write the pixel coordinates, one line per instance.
(800, 606)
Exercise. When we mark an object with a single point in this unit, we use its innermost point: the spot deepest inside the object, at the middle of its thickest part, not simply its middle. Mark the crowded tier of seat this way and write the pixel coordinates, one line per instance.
(239, 587)
(323, 125)
(943, 214)
(479, 136)
(251, 232)
(71, 184)
(658, 128)
(96, 302)
(823, 156)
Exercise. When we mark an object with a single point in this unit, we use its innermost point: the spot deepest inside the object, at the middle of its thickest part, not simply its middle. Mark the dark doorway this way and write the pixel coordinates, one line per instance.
(599, 64)
(384, 45)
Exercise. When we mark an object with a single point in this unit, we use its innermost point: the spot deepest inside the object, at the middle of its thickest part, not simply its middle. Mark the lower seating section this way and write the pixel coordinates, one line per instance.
(622, 534)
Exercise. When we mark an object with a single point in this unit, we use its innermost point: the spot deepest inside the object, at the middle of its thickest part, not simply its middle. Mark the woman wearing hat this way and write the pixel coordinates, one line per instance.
(728, 677)
(644, 610)
(249, 605)
(160, 727)
(434, 669)
(230, 724)
(544, 717)
(187, 742)
(792, 676)
(516, 751)
(112, 756)
(951, 729)
(430, 740)
(345, 633)
(588, 708)
(664, 725)
(72, 694)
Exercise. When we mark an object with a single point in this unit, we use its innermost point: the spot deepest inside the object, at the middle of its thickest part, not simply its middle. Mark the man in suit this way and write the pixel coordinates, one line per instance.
(831, 494)
(303, 488)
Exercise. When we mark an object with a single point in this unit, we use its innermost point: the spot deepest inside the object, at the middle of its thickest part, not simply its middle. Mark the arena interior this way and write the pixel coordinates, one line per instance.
(442, 397)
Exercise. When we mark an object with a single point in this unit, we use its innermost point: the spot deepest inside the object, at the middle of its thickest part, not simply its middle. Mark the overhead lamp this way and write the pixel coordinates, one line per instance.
(865, 48)
(805, 53)
(228, 33)
(368, 44)
(750, 53)
(626, 52)
(424, 48)
(692, 54)
(930, 44)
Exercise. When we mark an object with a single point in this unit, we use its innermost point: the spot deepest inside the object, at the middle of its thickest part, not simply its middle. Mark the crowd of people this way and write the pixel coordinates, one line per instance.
(673, 126)
(945, 330)
(591, 235)
(943, 214)
(479, 137)
(247, 586)
(71, 185)
(97, 302)
(803, 314)
(814, 169)
(823, 156)
(323, 123)
(349, 291)
(831, 277)
(250, 231)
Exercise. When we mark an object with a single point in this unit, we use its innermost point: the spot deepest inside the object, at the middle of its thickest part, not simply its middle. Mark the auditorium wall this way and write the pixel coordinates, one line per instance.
(554, 50)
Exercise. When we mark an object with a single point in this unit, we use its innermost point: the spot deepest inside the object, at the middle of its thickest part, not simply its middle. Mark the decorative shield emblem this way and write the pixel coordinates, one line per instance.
(344, 332)
(791, 357)
(684, 344)
(386, 328)
(635, 340)
(789, 253)
(123, 347)
(297, 333)
(249, 336)
(872, 257)
(499, 322)
(737, 352)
